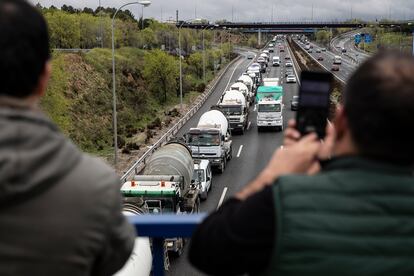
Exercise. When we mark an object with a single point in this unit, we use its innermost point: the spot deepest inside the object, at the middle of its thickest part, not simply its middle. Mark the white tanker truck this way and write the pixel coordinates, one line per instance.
(211, 139)
(248, 81)
(165, 186)
(241, 87)
(234, 107)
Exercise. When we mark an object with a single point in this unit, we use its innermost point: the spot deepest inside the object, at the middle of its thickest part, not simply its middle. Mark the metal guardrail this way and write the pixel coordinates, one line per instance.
(160, 227)
(323, 66)
(140, 163)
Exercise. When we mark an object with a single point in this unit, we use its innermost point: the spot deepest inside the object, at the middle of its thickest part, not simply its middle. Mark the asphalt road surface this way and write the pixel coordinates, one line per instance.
(251, 151)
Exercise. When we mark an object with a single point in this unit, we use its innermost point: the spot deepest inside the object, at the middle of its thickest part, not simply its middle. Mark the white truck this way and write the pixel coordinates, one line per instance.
(248, 81)
(211, 139)
(234, 106)
(241, 87)
(166, 186)
(271, 82)
(269, 107)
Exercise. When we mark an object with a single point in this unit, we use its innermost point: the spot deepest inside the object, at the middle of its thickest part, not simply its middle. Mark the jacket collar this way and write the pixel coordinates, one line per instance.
(366, 164)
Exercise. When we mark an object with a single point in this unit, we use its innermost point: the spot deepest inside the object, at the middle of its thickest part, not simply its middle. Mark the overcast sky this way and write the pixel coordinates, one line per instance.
(259, 10)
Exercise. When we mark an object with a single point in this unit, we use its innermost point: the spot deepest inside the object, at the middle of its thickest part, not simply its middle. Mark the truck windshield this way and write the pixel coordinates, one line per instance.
(231, 110)
(198, 175)
(204, 139)
(269, 108)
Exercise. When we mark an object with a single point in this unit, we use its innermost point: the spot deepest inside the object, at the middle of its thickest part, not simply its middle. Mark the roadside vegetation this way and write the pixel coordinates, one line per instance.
(394, 38)
(79, 98)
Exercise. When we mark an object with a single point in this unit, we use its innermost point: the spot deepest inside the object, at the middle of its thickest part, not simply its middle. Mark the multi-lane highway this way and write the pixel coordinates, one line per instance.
(346, 41)
(251, 151)
(345, 69)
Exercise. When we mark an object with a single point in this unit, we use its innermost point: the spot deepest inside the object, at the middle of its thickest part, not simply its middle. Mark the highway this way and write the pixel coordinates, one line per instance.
(346, 41)
(251, 151)
(345, 69)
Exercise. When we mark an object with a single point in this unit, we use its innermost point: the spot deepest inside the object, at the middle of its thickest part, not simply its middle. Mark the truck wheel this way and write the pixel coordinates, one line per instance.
(230, 154)
(223, 165)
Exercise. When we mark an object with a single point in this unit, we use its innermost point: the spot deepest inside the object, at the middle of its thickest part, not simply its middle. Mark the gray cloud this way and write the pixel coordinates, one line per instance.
(260, 10)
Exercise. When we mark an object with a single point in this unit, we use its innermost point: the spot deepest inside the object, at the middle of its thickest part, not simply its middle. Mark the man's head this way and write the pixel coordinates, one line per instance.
(378, 109)
(24, 50)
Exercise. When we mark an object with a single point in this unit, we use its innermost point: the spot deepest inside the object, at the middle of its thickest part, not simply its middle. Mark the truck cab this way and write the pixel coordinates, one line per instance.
(211, 139)
(234, 106)
(270, 107)
(203, 177)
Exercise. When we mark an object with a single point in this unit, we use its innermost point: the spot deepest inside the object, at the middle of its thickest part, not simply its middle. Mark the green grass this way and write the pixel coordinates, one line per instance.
(54, 102)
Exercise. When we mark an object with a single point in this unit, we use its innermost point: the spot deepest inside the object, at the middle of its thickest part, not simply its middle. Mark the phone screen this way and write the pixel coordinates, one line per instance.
(314, 102)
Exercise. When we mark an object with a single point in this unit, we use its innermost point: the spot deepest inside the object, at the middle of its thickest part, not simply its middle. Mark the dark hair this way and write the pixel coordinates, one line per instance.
(24, 48)
(379, 105)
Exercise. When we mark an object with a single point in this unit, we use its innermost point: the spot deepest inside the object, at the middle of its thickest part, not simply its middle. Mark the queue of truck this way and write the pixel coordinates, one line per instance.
(179, 174)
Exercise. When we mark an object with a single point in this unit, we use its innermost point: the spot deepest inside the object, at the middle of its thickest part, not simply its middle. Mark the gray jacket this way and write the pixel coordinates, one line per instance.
(60, 210)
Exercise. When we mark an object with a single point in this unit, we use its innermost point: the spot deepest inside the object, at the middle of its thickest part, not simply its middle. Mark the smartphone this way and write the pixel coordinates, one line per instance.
(314, 102)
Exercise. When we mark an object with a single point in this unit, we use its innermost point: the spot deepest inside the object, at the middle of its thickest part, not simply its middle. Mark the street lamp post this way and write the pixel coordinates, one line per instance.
(114, 115)
(144, 4)
(181, 68)
(204, 55)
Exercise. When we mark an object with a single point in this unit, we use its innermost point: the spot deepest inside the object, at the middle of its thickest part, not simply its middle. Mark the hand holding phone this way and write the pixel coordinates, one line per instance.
(314, 103)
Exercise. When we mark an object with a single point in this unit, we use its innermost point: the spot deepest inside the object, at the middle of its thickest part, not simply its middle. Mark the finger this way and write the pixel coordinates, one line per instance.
(311, 137)
(291, 133)
(292, 123)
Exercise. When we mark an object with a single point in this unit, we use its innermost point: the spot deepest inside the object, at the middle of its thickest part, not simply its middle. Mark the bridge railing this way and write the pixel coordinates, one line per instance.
(140, 163)
(160, 227)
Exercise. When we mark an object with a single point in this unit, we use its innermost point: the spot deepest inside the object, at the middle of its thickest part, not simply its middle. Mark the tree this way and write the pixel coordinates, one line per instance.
(195, 61)
(323, 37)
(161, 73)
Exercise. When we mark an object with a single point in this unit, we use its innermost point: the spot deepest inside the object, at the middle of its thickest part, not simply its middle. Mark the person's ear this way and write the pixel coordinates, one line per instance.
(44, 80)
(341, 123)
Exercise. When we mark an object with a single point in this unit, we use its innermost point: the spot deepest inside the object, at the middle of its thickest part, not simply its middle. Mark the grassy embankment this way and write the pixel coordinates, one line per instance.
(79, 99)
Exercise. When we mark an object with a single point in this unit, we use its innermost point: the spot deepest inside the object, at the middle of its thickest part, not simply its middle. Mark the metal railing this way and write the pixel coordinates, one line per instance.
(160, 227)
(140, 163)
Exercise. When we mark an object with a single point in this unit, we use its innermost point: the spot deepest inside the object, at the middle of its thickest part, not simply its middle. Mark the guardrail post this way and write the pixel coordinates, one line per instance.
(158, 256)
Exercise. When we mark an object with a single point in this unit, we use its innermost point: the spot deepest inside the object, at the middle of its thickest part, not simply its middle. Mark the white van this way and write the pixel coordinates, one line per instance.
(337, 60)
(276, 61)
(202, 176)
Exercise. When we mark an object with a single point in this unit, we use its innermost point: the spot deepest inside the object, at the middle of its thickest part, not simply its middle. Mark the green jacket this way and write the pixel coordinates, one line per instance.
(354, 218)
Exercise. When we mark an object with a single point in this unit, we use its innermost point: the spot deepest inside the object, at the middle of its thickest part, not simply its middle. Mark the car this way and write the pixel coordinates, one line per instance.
(335, 67)
(294, 103)
(271, 45)
(291, 79)
(343, 50)
(251, 56)
(289, 71)
(323, 49)
(320, 58)
(310, 51)
(271, 50)
(318, 51)
(266, 52)
(202, 177)
(288, 64)
(287, 57)
(311, 46)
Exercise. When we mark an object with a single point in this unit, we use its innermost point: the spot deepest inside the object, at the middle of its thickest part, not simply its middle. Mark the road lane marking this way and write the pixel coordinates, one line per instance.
(248, 125)
(222, 197)
(239, 152)
(232, 74)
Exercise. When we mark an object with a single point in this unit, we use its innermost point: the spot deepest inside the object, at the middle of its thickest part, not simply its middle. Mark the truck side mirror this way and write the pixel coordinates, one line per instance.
(208, 178)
